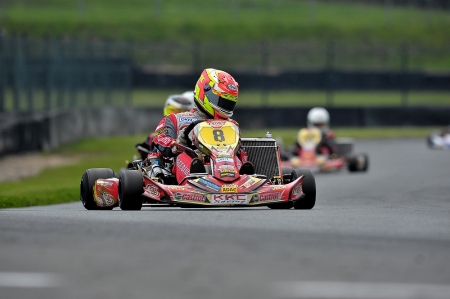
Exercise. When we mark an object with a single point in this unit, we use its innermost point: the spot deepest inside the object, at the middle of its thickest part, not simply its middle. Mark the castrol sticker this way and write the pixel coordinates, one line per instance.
(232, 199)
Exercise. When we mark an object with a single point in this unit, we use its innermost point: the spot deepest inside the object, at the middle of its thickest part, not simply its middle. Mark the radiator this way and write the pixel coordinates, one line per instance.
(262, 152)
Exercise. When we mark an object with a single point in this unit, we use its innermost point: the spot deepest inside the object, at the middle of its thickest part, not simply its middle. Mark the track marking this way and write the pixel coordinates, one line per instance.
(360, 290)
(30, 280)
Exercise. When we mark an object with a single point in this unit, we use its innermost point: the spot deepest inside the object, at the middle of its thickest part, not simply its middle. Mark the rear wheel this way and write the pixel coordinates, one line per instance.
(286, 173)
(358, 162)
(87, 186)
(130, 190)
(309, 188)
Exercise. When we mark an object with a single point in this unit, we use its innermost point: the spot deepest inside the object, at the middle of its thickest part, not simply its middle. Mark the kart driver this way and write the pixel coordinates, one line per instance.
(319, 117)
(215, 96)
(174, 104)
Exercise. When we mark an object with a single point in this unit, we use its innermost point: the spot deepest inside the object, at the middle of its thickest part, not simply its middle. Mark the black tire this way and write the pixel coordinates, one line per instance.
(131, 187)
(358, 163)
(286, 173)
(87, 186)
(309, 188)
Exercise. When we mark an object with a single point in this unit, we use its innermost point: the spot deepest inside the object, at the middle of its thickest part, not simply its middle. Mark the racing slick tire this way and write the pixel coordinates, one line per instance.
(358, 163)
(131, 187)
(87, 186)
(309, 188)
(286, 173)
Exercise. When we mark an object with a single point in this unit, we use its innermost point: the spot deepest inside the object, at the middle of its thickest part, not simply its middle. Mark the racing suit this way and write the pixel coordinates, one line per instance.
(326, 145)
(166, 134)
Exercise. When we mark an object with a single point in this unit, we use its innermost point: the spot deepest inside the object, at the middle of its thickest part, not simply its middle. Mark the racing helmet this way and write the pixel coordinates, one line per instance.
(216, 93)
(177, 103)
(318, 117)
(189, 95)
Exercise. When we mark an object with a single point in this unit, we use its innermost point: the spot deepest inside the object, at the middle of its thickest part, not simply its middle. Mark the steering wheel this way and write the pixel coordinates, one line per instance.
(188, 130)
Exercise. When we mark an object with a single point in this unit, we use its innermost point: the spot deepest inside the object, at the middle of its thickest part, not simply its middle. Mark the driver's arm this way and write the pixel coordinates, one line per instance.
(165, 135)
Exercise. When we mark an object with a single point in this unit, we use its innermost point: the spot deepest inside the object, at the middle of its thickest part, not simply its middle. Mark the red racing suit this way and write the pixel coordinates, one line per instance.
(166, 134)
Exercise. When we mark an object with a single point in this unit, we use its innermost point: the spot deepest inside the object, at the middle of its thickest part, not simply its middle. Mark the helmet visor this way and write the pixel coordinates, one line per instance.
(224, 106)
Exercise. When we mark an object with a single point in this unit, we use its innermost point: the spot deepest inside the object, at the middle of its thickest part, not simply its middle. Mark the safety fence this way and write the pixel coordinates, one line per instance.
(44, 74)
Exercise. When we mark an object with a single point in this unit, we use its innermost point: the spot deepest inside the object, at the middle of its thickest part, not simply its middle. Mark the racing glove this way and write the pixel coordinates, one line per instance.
(181, 138)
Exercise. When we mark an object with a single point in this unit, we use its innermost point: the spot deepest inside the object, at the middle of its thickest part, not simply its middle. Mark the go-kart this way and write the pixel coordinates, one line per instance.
(439, 140)
(306, 155)
(152, 183)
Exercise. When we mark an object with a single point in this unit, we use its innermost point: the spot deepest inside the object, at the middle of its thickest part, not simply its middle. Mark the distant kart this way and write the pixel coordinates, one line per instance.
(216, 143)
(307, 158)
(439, 140)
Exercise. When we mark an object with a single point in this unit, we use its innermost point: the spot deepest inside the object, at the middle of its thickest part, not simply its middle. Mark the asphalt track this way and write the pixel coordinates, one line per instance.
(383, 234)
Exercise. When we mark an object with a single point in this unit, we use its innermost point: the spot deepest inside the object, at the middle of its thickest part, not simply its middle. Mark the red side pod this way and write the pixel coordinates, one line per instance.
(153, 189)
(106, 192)
(296, 189)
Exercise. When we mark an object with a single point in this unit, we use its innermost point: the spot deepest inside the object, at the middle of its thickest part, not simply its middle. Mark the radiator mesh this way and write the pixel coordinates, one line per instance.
(262, 152)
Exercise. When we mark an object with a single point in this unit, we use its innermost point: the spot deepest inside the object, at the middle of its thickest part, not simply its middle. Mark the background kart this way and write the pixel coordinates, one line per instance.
(309, 138)
(438, 140)
(221, 185)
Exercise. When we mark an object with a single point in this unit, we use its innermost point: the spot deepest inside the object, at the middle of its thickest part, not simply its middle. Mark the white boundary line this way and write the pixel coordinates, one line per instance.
(359, 290)
(30, 280)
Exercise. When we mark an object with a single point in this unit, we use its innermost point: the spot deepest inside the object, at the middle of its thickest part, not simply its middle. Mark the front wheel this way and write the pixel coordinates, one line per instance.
(131, 187)
(87, 186)
(309, 188)
(358, 163)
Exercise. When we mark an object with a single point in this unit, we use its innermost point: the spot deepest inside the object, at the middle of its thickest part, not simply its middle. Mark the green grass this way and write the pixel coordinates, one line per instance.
(59, 185)
(218, 21)
(156, 98)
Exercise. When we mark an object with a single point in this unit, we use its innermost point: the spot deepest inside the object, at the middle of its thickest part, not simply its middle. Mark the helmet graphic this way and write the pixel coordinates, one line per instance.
(318, 117)
(177, 103)
(216, 93)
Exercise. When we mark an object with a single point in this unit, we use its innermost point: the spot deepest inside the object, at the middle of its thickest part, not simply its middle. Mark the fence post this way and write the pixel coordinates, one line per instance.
(264, 73)
(312, 4)
(27, 73)
(404, 60)
(196, 56)
(388, 7)
(129, 73)
(330, 72)
(2, 73)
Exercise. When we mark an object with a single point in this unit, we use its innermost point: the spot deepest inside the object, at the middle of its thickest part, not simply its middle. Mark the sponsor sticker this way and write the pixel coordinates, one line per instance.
(187, 119)
(232, 86)
(216, 123)
(181, 166)
(224, 155)
(227, 172)
(229, 189)
(208, 184)
(160, 131)
(248, 183)
(269, 196)
(153, 191)
(104, 183)
(190, 196)
(297, 191)
(175, 188)
(226, 159)
(235, 199)
(278, 187)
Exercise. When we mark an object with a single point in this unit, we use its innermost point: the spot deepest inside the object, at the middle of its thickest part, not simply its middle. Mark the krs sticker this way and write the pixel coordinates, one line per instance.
(232, 199)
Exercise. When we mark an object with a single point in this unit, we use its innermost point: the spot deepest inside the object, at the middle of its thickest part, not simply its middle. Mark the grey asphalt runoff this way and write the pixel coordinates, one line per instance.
(380, 234)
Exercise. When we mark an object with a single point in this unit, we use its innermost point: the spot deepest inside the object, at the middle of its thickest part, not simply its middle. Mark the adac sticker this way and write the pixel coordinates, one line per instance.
(229, 189)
